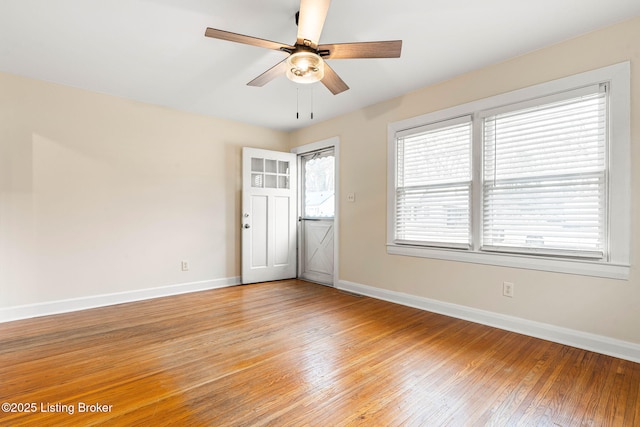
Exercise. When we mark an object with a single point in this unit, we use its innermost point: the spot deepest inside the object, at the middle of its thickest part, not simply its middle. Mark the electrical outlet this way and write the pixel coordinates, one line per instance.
(184, 265)
(351, 197)
(507, 289)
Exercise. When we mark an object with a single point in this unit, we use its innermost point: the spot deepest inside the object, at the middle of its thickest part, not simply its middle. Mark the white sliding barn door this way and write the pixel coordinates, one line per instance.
(269, 191)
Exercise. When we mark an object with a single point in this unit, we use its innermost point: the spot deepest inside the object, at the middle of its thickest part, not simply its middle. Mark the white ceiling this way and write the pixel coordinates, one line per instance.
(155, 51)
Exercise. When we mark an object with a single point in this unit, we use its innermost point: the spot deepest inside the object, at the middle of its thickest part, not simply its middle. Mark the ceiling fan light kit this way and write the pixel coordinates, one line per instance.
(305, 67)
(306, 61)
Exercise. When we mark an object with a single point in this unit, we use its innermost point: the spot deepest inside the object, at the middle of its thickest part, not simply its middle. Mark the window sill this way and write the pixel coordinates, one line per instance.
(569, 266)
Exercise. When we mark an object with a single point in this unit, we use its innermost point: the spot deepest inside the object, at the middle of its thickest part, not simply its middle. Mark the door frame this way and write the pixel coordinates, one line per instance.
(308, 148)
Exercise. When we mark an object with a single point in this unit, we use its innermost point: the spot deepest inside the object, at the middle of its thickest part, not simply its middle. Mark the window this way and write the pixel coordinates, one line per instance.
(318, 187)
(269, 173)
(544, 173)
(434, 184)
(537, 178)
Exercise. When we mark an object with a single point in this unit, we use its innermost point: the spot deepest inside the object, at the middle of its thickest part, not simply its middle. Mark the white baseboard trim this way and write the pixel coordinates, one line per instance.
(9, 314)
(587, 341)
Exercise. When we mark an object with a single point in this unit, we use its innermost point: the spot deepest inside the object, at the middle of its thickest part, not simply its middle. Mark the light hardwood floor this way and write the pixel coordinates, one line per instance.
(292, 353)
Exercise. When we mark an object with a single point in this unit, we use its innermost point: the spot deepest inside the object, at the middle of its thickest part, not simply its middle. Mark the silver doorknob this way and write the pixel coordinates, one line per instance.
(247, 226)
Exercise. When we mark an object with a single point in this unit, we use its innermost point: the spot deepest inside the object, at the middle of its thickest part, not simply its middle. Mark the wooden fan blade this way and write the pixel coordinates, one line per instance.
(386, 49)
(332, 81)
(311, 20)
(277, 70)
(239, 38)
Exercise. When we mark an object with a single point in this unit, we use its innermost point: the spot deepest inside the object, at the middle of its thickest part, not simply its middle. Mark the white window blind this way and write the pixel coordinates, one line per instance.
(433, 184)
(544, 176)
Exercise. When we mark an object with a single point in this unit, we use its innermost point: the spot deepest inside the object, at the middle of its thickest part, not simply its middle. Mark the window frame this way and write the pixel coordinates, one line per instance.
(617, 266)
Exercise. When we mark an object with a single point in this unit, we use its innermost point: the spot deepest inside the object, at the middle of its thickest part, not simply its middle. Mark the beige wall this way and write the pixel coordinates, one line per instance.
(600, 306)
(100, 195)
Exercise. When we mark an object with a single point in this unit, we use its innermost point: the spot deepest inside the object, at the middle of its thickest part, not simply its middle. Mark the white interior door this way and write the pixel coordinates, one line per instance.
(269, 191)
(318, 206)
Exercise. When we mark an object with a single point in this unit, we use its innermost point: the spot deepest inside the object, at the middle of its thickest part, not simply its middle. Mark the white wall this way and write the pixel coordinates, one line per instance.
(102, 195)
(603, 307)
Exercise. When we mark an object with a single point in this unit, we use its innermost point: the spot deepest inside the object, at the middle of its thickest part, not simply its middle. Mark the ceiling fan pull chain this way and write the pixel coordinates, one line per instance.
(297, 103)
(311, 103)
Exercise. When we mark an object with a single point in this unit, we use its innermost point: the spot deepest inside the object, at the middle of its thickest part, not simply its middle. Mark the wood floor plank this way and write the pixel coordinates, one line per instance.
(298, 354)
(631, 407)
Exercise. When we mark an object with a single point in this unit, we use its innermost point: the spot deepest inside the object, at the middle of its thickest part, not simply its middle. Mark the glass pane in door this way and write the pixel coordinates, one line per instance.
(319, 186)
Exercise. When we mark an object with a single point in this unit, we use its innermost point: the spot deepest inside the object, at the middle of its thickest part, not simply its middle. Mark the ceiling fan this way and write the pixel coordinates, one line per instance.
(306, 60)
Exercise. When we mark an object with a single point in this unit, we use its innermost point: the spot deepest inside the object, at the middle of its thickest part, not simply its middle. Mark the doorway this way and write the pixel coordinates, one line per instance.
(276, 243)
